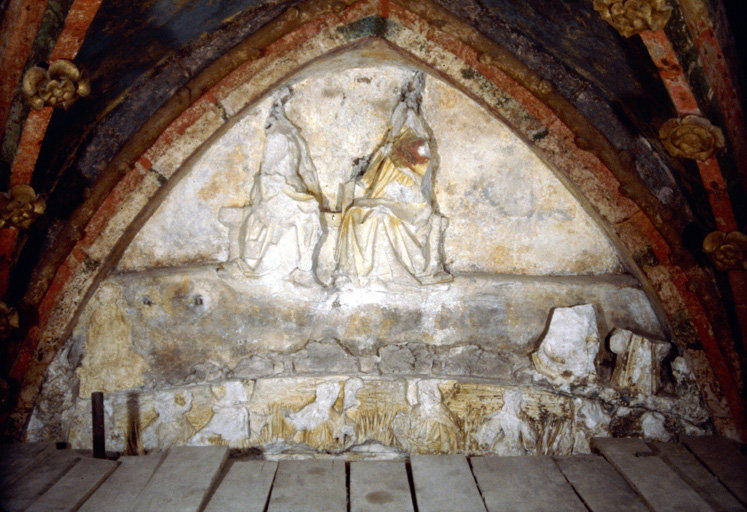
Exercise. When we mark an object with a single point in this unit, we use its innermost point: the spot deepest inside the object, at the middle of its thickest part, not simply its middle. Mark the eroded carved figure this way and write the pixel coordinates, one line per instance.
(638, 367)
(110, 362)
(429, 427)
(390, 229)
(567, 353)
(505, 432)
(280, 229)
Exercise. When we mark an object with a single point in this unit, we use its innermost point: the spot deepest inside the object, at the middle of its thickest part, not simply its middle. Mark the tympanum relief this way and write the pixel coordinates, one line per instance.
(368, 262)
(386, 227)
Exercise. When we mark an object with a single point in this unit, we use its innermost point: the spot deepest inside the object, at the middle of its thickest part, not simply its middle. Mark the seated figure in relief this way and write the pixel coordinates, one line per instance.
(390, 229)
(282, 226)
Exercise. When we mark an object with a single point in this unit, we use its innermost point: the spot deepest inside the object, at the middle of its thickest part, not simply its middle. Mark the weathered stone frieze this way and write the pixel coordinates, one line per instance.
(345, 413)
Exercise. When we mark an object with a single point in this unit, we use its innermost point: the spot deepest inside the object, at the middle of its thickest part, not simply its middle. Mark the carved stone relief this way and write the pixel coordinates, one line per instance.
(110, 362)
(283, 217)
(691, 137)
(389, 221)
(58, 86)
(727, 251)
(568, 350)
(638, 366)
(20, 207)
(630, 17)
(387, 227)
(344, 119)
(318, 302)
(429, 427)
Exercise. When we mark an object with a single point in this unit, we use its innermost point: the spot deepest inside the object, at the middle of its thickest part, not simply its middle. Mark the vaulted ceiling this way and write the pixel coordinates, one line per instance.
(595, 96)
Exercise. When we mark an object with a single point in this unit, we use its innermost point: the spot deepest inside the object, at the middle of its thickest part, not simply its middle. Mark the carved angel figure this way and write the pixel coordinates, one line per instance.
(283, 224)
(389, 223)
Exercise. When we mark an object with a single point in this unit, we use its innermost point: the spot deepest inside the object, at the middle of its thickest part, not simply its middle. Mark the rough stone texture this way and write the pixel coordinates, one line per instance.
(111, 363)
(638, 366)
(568, 350)
(196, 325)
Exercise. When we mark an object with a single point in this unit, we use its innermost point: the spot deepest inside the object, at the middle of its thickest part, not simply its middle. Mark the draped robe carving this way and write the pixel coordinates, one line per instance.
(390, 229)
(285, 204)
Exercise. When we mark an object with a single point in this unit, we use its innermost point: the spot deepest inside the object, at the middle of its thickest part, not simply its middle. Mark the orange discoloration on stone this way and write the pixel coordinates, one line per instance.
(78, 19)
(659, 246)
(110, 205)
(719, 78)
(662, 53)
(178, 126)
(28, 148)
(713, 180)
(17, 33)
(56, 289)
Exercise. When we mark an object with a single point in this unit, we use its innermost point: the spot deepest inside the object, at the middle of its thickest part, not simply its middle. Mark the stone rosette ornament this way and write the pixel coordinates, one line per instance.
(691, 137)
(8, 320)
(727, 251)
(58, 86)
(630, 17)
(20, 207)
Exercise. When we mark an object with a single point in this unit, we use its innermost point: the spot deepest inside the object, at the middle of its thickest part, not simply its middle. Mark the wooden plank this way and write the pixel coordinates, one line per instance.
(684, 463)
(70, 491)
(659, 487)
(183, 480)
(120, 490)
(16, 459)
(445, 483)
(526, 483)
(723, 458)
(599, 485)
(37, 481)
(245, 488)
(310, 486)
(377, 486)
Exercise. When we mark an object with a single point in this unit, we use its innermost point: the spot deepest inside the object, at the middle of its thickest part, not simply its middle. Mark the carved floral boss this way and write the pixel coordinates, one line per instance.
(630, 17)
(727, 251)
(58, 86)
(691, 137)
(20, 207)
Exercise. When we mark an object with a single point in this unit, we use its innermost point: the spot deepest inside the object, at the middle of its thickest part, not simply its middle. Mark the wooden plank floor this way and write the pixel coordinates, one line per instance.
(700, 474)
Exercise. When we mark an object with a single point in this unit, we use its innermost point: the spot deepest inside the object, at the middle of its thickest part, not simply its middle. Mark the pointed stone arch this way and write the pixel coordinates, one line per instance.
(603, 179)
